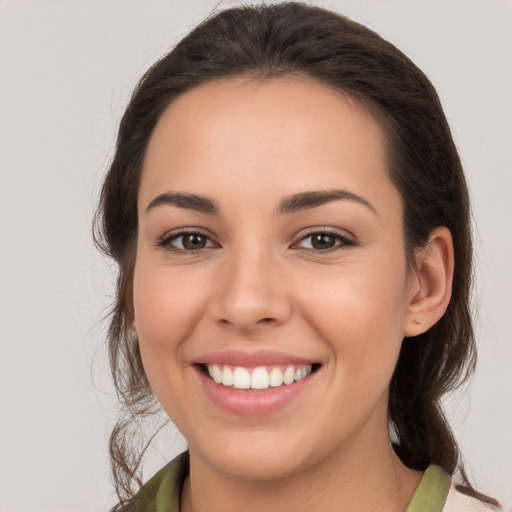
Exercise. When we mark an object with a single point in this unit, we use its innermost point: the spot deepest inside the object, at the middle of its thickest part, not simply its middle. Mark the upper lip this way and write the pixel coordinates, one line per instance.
(253, 359)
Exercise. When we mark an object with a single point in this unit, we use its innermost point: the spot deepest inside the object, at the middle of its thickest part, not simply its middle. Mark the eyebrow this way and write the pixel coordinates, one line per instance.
(291, 204)
(312, 199)
(187, 201)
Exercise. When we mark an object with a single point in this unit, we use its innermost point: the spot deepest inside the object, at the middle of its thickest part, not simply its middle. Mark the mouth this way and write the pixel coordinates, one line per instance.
(257, 378)
(255, 383)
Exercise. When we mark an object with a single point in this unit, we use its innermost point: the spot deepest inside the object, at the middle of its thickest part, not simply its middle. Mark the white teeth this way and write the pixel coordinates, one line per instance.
(215, 373)
(289, 375)
(259, 378)
(241, 378)
(275, 377)
(227, 376)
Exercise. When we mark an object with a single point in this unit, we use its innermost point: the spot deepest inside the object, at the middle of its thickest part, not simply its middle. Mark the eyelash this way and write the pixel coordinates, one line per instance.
(342, 242)
(165, 242)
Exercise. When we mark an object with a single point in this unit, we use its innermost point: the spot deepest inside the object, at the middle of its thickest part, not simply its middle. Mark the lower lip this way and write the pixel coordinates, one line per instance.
(253, 402)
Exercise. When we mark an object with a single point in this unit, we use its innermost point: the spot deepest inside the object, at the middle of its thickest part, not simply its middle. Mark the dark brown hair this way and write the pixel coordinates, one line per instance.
(291, 38)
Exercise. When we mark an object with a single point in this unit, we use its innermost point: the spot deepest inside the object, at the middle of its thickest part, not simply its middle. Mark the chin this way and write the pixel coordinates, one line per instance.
(257, 467)
(257, 461)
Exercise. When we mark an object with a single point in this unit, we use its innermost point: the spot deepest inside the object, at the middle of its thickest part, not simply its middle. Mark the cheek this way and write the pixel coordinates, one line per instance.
(359, 311)
(369, 297)
(166, 307)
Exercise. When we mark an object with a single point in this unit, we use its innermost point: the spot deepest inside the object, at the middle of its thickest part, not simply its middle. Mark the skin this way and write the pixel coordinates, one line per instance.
(258, 283)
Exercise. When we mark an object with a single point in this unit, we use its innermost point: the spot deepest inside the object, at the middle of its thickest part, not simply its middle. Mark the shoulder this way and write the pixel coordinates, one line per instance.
(459, 500)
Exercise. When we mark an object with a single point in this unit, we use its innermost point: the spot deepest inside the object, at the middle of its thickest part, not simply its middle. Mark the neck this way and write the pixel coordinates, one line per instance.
(362, 476)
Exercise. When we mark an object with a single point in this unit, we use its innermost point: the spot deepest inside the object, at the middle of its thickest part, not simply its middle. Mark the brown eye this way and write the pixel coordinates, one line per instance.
(193, 241)
(186, 242)
(324, 241)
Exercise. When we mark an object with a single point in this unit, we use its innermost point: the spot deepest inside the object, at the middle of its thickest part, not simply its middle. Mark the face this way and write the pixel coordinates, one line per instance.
(271, 284)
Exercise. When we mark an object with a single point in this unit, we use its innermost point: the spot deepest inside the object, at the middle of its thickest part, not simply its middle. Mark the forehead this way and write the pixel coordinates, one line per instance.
(285, 134)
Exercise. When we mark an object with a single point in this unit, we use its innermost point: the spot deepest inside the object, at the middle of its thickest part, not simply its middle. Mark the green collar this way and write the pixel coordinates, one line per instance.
(431, 494)
(162, 492)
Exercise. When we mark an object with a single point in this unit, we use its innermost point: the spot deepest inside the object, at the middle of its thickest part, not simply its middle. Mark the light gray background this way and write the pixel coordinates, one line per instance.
(66, 70)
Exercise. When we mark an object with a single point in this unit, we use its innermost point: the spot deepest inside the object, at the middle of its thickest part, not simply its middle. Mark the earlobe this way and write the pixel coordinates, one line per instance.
(430, 285)
(133, 334)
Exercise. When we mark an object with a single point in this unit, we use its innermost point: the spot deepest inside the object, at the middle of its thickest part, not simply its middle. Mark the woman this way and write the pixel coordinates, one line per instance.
(291, 223)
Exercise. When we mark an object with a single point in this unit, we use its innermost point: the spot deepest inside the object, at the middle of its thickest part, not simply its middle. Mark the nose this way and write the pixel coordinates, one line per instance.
(250, 292)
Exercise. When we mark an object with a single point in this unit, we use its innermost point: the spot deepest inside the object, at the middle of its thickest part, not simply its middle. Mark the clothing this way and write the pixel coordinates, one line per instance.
(436, 492)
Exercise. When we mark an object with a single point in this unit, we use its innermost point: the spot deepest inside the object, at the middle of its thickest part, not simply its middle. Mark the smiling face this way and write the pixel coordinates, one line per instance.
(270, 237)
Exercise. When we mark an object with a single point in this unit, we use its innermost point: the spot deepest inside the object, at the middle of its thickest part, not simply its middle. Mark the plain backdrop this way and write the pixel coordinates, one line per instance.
(66, 71)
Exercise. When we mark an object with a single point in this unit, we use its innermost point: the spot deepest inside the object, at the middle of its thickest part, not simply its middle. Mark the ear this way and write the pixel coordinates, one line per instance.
(430, 283)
